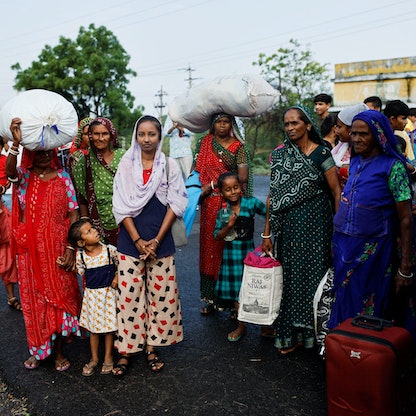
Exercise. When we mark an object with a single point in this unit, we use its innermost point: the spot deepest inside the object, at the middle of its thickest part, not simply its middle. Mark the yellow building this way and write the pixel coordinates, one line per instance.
(389, 79)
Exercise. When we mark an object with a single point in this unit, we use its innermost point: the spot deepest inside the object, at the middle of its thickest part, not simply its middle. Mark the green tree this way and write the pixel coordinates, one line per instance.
(299, 78)
(294, 73)
(91, 72)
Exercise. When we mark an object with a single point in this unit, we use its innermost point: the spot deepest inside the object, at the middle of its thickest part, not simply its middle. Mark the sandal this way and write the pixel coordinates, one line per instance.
(268, 332)
(89, 368)
(208, 309)
(107, 368)
(62, 365)
(120, 369)
(236, 335)
(155, 363)
(285, 351)
(31, 363)
(14, 303)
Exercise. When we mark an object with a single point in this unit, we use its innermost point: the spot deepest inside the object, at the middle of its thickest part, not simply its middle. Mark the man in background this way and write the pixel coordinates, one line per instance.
(322, 102)
(180, 145)
(373, 103)
(397, 112)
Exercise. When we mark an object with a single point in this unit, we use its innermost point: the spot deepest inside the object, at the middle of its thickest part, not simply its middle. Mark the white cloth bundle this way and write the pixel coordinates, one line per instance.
(48, 119)
(245, 95)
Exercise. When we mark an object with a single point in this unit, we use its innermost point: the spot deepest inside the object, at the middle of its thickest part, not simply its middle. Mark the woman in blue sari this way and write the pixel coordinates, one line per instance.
(373, 215)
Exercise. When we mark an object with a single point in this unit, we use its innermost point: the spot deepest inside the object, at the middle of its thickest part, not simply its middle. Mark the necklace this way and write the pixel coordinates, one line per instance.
(308, 150)
(42, 174)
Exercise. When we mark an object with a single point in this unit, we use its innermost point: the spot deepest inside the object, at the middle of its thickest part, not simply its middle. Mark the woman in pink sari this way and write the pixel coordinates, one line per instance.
(44, 205)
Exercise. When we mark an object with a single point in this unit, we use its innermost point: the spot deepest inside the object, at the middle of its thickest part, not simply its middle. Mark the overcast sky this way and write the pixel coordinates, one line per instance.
(212, 37)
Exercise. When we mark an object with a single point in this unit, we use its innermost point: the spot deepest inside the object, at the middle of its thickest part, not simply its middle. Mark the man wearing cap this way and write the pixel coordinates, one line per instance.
(341, 152)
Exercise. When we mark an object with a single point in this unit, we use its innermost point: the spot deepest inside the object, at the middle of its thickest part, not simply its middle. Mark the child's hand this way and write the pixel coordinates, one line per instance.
(114, 283)
(232, 220)
(60, 261)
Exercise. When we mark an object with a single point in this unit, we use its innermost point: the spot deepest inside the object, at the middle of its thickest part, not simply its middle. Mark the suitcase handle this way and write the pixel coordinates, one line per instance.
(371, 322)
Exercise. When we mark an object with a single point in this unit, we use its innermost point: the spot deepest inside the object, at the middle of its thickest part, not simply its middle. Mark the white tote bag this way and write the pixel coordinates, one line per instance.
(261, 289)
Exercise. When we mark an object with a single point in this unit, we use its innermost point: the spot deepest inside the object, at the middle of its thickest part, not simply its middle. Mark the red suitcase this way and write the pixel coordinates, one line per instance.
(370, 369)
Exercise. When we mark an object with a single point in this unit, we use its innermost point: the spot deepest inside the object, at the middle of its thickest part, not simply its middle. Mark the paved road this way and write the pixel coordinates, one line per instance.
(204, 375)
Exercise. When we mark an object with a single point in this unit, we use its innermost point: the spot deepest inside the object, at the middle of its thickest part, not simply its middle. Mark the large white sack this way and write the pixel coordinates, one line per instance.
(48, 119)
(246, 95)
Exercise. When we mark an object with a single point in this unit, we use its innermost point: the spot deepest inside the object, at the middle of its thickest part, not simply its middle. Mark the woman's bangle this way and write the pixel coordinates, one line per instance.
(13, 179)
(157, 241)
(70, 248)
(85, 218)
(13, 152)
(15, 148)
(414, 170)
(265, 236)
(212, 185)
(136, 240)
(405, 276)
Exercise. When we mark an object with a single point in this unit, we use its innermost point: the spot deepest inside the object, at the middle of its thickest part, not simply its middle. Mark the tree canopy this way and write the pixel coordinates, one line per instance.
(294, 73)
(91, 72)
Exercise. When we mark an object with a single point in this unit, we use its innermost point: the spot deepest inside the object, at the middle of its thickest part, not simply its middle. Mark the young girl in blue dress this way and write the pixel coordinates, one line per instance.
(96, 263)
(240, 225)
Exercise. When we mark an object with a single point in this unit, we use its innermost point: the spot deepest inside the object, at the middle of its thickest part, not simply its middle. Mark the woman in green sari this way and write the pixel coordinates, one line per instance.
(304, 189)
(94, 176)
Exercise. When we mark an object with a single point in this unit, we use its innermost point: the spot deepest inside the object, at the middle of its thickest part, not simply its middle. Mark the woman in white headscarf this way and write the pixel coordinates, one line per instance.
(342, 151)
(145, 204)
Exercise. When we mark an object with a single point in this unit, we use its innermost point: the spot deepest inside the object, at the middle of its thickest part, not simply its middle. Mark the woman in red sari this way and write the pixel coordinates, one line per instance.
(44, 205)
(220, 151)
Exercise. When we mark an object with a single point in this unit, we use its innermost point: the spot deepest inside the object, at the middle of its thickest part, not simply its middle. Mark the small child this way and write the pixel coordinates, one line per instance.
(97, 263)
(241, 221)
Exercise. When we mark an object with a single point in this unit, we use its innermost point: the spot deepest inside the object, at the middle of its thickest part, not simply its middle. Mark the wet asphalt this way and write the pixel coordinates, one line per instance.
(203, 375)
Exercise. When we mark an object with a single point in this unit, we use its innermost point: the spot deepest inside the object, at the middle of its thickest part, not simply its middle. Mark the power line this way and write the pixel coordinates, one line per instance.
(189, 79)
(160, 105)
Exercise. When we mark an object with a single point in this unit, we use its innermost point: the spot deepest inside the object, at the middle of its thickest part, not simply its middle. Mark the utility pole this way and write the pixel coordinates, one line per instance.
(160, 105)
(189, 70)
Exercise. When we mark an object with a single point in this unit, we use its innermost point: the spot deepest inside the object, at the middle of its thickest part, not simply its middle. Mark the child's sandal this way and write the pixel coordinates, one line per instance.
(107, 368)
(89, 368)
(155, 363)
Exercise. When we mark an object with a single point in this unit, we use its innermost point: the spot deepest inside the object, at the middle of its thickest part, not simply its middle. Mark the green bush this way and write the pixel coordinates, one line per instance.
(261, 164)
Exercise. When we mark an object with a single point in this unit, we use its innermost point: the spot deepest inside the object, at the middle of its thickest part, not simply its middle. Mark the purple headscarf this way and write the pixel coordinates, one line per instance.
(383, 133)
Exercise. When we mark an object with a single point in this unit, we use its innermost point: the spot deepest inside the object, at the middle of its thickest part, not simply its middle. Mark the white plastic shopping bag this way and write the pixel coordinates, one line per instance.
(48, 119)
(261, 289)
